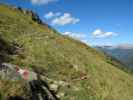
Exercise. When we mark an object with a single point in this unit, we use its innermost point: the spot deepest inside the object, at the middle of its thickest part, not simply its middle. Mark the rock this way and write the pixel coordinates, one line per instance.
(40, 91)
(76, 67)
(7, 72)
(76, 88)
(61, 94)
(54, 87)
(34, 87)
(62, 83)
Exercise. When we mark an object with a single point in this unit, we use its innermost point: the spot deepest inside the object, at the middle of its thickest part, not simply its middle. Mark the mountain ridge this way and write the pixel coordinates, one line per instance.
(122, 53)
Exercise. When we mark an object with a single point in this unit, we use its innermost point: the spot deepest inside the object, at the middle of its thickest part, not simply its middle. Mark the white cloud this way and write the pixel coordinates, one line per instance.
(98, 33)
(40, 2)
(79, 36)
(65, 19)
(51, 15)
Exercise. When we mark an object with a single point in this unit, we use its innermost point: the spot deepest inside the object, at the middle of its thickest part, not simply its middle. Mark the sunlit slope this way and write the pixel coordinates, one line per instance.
(89, 75)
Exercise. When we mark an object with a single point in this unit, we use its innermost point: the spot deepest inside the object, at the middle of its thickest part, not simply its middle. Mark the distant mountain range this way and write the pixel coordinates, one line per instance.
(123, 53)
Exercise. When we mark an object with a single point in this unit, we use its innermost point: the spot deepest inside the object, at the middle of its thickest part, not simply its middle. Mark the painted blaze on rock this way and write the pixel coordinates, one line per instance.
(10, 71)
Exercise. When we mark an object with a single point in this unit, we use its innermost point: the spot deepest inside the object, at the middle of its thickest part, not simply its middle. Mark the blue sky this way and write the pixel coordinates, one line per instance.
(96, 22)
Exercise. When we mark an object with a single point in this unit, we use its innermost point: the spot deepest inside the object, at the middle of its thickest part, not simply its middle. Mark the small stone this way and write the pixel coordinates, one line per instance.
(59, 95)
(54, 87)
(76, 88)
(62, 83)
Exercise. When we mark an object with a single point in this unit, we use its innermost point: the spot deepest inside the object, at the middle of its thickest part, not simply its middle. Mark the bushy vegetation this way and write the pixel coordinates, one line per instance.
(89, 75)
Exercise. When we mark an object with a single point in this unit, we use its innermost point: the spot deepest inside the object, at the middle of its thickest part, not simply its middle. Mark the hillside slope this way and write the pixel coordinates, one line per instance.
(84, 74)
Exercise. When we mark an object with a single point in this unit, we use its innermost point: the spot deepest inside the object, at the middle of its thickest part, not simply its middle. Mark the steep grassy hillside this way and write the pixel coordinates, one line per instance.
(86, 72)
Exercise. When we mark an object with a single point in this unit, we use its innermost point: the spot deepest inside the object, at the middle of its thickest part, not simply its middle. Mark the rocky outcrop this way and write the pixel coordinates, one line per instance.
(35, 87)
(41, 91)
(34, 17)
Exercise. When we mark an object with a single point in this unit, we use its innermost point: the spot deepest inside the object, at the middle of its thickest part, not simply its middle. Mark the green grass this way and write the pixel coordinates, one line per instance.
(63, 58)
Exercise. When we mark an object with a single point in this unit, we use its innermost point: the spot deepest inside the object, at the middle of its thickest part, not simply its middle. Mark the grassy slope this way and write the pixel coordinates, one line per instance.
(65, 59)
